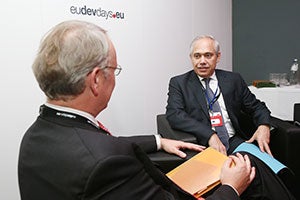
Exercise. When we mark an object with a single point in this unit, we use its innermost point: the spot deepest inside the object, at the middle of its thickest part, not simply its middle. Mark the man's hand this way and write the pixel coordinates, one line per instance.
(237, 172)
(262, 136)
(216, 143)
(175, 147)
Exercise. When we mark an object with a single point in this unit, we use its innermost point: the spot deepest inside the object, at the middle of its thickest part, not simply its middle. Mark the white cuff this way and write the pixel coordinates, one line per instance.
(158, 142)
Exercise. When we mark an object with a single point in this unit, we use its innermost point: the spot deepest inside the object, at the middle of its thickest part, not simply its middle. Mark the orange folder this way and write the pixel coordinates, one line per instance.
(199, 174)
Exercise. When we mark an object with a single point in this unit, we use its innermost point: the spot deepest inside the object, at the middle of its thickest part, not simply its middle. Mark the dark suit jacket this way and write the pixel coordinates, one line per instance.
(187, 107)
(64, 157)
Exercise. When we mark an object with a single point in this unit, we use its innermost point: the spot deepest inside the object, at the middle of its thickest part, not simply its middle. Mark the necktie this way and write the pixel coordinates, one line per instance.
(102, 127)
(214, 107)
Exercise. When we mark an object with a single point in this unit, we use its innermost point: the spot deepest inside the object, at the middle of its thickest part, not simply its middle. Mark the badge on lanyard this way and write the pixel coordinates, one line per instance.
(216, 119)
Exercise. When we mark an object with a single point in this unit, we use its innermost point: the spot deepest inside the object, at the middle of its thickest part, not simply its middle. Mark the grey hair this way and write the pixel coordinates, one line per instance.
(67, 53)
(216, 43)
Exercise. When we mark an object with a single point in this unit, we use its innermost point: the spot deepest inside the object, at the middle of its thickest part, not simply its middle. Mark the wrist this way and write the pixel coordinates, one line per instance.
(232, 188)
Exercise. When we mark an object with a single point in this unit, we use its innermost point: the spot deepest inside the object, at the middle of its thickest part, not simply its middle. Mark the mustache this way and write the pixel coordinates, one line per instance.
(202, 67)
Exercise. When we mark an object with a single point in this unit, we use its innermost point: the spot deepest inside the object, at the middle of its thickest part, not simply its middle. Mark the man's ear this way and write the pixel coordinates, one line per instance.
(218, 56)
(95, 77)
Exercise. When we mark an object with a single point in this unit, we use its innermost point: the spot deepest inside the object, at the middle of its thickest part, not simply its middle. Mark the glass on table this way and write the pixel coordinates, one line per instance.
(275, 78)
(283, 80)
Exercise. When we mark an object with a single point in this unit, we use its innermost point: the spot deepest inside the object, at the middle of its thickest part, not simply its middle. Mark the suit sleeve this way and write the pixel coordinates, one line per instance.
(146, 142)
(251, 105)
(223, 193)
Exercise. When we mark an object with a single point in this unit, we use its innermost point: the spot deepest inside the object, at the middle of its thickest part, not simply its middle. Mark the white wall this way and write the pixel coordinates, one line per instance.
(152, 43)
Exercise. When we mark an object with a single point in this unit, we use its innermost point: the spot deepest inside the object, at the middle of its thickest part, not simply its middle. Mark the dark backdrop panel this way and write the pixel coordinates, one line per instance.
(266, 37)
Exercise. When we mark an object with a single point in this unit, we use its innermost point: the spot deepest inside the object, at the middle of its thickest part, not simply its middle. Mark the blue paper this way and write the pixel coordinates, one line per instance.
(274, 164)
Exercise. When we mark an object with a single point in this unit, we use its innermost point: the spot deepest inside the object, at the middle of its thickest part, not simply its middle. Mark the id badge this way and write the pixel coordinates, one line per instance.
(216, 119)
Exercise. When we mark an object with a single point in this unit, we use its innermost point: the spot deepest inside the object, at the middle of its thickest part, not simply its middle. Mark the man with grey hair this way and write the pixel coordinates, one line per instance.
(67, 154)
(209, 102)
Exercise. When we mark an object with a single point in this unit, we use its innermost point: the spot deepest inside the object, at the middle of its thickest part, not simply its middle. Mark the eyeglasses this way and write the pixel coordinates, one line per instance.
(117, 69)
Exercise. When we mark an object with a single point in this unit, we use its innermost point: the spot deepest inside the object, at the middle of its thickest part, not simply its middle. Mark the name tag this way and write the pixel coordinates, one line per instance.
(216, 119)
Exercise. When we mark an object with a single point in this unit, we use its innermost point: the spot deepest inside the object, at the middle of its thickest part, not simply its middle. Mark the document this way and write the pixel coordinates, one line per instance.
(199, 174)
(274, 164)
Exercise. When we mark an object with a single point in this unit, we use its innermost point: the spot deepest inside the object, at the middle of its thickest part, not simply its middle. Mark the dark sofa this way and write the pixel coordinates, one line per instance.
(285, 146)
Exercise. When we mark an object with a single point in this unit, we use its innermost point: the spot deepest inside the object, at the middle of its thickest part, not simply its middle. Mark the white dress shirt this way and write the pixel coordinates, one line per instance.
(213, 84)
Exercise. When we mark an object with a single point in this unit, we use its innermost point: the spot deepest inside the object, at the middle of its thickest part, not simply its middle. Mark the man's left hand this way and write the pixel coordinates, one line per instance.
(175, 147)
(262, 136)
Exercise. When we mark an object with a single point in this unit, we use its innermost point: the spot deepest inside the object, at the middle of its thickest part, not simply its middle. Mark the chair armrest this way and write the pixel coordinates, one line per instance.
(164, 161)
(284, 143)
(285, 147)
(165, 130)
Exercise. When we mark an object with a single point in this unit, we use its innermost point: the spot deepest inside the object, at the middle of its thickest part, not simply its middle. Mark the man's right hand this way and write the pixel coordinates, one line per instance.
(237, 172)
(216, 143)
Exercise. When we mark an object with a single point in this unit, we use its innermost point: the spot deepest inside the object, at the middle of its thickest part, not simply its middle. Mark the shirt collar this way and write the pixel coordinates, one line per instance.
(74, 111)
(213, 77)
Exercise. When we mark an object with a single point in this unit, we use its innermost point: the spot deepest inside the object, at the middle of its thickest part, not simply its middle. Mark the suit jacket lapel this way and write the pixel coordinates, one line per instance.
(223, 82)
(198, 92)
(225, 87)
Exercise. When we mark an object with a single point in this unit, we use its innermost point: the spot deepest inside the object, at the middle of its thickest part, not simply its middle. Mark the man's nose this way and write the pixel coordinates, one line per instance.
(202, 60)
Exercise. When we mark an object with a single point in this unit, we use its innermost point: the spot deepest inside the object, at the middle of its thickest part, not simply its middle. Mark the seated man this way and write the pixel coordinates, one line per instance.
(208, 103)
(67, 155)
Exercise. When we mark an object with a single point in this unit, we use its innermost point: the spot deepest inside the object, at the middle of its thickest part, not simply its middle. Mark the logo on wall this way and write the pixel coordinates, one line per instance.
(96, 12)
